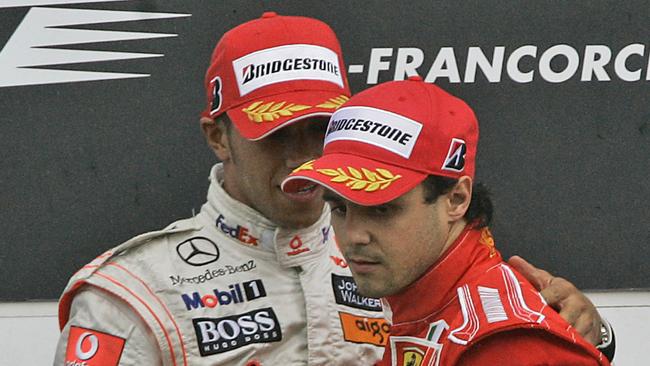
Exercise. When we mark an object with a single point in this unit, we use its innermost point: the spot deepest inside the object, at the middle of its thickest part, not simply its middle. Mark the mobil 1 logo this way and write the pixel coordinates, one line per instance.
(218, 335)
(345, 293)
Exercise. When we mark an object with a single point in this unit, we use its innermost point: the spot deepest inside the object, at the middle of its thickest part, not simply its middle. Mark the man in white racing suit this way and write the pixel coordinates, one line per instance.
(256, 277)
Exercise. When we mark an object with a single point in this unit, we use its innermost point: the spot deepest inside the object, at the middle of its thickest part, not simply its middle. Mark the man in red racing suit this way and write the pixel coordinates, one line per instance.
(470, 308)
(398, 163)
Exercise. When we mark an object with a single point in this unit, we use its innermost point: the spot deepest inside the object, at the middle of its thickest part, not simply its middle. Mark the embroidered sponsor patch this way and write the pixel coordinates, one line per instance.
(286, 63)
(219, 335)
(383, 129)
(198, 251)
(297, 245)
(487, 240)
(345, 293)
(455, 159)
(217, 98)
(238, 232)
(412, 351)
(234, 294)
(339, 262)
(212, 273)
(359, 329)
(89, 347)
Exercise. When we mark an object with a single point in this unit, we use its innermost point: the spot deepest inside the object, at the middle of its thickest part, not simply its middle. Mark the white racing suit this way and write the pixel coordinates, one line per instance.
(226, 287)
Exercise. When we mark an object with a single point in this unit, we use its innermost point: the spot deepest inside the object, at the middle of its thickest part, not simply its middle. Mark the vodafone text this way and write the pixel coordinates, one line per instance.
(521, 64)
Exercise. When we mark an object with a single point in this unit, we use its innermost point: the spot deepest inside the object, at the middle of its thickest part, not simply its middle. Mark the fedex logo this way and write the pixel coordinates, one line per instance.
(236, 293)
(238, 232)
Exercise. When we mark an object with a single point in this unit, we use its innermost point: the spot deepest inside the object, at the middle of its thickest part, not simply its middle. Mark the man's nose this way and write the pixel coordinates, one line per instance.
(356, 230)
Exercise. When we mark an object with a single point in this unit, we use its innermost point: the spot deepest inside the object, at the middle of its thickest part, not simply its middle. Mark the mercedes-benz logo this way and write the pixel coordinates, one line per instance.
(198, 251)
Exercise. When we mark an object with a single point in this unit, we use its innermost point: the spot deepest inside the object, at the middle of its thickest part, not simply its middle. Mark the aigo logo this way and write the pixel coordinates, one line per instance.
(360, 329)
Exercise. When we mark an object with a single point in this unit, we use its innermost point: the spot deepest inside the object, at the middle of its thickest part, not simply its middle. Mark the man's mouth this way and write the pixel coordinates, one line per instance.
(306, 193)
(363, 265)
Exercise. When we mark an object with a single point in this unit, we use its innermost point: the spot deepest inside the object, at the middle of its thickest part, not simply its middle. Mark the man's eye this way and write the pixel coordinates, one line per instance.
(380, 210)
(338, 210)
(318, 128)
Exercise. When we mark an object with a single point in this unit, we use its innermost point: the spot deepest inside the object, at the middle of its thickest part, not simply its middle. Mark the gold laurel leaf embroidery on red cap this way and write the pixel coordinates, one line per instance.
(268, 112)
(363, 179)
(334, 103)
(309, 165)
(487, 240)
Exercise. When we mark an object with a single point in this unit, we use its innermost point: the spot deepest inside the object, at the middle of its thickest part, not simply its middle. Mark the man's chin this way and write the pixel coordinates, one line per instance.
(298, 216)
(298, 221)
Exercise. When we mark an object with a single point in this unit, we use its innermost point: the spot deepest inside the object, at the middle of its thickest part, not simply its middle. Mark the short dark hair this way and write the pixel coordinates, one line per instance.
(225, 120)
(480, 207)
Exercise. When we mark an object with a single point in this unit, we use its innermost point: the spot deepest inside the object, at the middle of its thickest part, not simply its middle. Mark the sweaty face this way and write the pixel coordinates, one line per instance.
(256, 169)
(390, 246)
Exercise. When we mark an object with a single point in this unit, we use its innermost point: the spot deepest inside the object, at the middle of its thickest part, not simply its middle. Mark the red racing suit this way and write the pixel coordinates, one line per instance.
(471, 308)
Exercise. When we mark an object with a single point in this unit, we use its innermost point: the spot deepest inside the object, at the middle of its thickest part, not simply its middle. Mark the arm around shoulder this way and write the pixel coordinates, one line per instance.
(103, 328)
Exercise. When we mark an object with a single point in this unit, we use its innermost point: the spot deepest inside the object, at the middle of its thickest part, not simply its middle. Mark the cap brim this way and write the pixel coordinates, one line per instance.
(257, 119)
(361, 180)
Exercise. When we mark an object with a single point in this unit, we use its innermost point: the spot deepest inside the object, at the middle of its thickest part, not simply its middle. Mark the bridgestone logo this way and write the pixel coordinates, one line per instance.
(286, 63)
(345, 293)
(383, 129)
(218, 335)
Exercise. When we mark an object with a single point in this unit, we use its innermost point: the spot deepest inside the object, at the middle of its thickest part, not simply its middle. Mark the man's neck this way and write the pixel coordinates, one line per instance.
(455, 229)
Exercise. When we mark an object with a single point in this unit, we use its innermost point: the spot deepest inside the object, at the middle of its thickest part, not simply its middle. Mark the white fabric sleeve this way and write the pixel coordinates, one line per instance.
(94, 309)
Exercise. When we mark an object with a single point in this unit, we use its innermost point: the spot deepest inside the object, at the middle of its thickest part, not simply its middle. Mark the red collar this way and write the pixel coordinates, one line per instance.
(465, 259)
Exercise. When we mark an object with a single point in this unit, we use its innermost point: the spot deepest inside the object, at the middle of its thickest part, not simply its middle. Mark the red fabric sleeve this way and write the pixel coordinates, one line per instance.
(525, 347)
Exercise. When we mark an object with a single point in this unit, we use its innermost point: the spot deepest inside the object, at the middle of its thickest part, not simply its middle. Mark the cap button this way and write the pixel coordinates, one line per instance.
(269, 14)
(415, 78)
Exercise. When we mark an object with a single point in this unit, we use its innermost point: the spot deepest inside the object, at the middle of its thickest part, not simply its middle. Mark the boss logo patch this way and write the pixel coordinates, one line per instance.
(218, 335)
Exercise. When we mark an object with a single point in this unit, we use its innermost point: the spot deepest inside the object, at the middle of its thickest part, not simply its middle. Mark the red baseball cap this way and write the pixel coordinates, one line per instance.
(270, 72)
(387, 139)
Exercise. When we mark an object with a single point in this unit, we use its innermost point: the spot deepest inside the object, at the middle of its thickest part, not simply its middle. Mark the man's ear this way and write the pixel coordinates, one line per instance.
(216, 137)
(459, 198)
